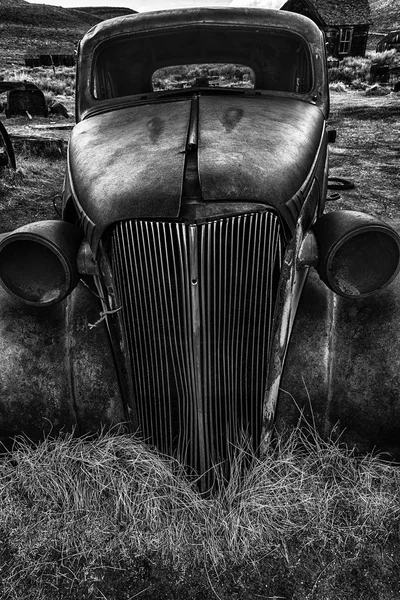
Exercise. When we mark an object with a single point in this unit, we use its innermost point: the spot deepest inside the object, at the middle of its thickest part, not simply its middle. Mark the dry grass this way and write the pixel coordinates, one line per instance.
(60, 81)
(57, 85)
(76, 512)
(367, 151)
(356, 70)
(27, 193)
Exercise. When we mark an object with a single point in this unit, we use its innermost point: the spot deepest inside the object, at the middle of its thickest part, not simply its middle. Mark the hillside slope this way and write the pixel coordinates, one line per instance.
(13, 3)
(385, 15)
(25, 27)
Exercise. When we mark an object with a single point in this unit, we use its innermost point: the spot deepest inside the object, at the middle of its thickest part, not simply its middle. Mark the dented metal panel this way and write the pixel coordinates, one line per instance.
(342, 367)
(130, 163)
(258, 149)
(56, 372)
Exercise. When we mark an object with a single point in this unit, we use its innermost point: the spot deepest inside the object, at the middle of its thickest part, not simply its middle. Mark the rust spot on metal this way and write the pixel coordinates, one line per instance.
(155, 127)
(231, 118)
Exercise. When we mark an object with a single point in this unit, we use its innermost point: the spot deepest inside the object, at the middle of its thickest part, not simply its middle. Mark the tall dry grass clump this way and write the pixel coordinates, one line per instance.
(56, 85)
(351, 69)
(357, 71)
(388, 58)
(27, 194)
(58, 82)
(76, 512)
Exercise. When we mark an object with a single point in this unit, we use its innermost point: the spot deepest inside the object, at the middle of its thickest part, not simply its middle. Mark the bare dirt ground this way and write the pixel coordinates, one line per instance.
(27, 194)
(367, 151)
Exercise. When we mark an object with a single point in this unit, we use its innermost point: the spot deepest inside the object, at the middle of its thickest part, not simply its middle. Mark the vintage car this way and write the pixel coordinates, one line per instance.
(192, 233)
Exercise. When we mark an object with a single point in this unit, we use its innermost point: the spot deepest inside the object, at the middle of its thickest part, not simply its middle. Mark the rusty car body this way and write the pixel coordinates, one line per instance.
(23, 98)
(195, 288)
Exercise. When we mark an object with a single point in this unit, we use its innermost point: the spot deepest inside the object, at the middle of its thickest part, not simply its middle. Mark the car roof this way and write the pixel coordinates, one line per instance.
(197, 17)
(179, 20)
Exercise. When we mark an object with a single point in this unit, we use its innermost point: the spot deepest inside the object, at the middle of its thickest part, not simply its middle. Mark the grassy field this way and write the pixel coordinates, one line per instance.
(108, 519)
(27, 194)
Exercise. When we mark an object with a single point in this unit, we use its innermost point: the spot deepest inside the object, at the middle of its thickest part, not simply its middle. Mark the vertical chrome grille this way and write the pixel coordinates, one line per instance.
(197, 313)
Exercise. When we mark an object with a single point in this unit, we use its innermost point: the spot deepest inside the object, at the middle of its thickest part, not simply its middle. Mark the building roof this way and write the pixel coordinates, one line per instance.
(374, 37)
(390, 40)
(334, 12)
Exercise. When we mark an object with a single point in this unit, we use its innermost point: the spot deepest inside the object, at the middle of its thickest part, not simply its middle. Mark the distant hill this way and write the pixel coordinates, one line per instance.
(25, 27)
(13, 3)
(385, 15)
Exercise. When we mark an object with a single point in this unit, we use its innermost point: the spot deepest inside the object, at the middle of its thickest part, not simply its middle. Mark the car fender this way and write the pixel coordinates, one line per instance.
(56, 372)
(93, 375)
(342, 369)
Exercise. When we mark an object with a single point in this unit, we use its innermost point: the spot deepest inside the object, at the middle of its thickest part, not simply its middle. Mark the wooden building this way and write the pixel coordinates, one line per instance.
(391, 41)
(345, 23)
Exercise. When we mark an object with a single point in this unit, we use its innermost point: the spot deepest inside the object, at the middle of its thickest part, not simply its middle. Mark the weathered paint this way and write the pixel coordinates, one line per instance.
(342, 367)
(93, 377)
(34, 389)
(123, 166)
(56, 373)
(290, 289)
(265, 155)
(120, 170)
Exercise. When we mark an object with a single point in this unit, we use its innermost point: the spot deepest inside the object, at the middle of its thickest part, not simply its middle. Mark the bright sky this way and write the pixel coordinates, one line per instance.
(142, 5)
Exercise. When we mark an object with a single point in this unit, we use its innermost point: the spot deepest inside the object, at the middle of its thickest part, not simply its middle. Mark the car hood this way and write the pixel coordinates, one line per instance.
(129, 163)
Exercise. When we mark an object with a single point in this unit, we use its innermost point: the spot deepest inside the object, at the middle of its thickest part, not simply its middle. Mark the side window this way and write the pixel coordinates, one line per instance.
(101, 82)
(286, 66)
(303, 74)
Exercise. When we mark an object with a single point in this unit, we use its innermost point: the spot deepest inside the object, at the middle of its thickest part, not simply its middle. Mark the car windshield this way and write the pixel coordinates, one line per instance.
(214, 58)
